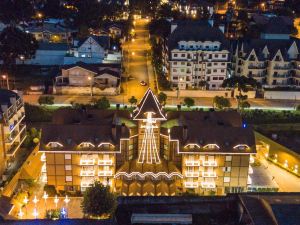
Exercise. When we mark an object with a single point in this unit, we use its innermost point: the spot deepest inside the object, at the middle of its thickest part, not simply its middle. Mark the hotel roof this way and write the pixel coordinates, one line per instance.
(149, 103)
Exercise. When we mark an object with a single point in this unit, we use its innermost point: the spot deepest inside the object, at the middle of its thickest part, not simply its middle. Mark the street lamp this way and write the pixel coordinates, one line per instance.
(45, 196)
(5, 77)
(56, 200)
(25, 201)
(35, 213)
(90, 79)
(21, 214)
(35, 200)
(66, 200)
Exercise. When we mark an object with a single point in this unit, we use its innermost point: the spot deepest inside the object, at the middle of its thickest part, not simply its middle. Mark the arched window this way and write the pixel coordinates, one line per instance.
(54, 144)
(241, 147)
(86, 145)
(211, 146)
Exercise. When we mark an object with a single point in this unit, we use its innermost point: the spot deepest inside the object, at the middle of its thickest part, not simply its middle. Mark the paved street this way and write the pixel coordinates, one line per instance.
(136, 62)
(286, 181)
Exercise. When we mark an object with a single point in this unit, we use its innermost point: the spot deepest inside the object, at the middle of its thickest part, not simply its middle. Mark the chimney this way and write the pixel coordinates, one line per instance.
(173, 27)
(222, 28)
(114, 131)
(211, 22)
(185, 132)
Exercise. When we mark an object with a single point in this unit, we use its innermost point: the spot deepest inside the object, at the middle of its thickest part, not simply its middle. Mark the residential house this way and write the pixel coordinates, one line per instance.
(92, 50)
(12, 127)
(138, 156)
(50, 32)
(82, 78)
(196, 55)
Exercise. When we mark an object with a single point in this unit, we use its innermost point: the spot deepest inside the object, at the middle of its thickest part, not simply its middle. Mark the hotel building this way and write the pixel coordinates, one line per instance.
(148, 152)
(12, 127)
(196, 55)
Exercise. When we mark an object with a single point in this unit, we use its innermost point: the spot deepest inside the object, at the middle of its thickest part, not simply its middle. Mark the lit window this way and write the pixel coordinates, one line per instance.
(226, 179)
(67, 156)
(68, 178)
(68, 167)
(241, 147)
(54, 145)
(227, 169)
(228, 158)
(86, 145)
(211, 146)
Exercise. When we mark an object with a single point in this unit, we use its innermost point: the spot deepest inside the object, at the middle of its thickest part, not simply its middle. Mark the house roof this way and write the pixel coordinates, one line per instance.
(196, 31)
(70, 127)
(47, 27)
(276, 25)
(102, 40)
(149, 103)
(226, 138)
(53, 46)
(98, 69)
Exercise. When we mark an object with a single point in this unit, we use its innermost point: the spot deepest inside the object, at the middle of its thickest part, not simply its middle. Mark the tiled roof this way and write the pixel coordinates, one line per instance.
(103, 41)
(276, 25)
(98, 69)
(196, 31)
(53, 46)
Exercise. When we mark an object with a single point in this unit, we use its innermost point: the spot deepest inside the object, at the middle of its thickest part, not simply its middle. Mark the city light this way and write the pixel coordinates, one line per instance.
(56, 200)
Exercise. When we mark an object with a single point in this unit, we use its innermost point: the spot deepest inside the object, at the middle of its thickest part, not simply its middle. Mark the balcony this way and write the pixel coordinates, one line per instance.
(208, 185)
(105, 162)
(16, 145)
(190, 184)
(191, 174)
(44, 168)
(43, 157)
(87, 173)
(15, 134)
(209, 174)
(210, 163)
(192, 163)
(86, 182)
(87, 162)
(105, 173)
(282, 67)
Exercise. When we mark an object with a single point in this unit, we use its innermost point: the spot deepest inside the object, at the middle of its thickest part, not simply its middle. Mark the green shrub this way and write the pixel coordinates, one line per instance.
(46, 100)
(50, 190)
(35, 113)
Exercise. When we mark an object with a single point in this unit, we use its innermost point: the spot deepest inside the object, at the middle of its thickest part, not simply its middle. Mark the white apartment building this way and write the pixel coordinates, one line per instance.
(271, 62)
(198, 55)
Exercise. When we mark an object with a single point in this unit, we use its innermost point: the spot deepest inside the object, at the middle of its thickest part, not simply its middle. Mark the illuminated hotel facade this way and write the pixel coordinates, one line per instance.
(148, 152)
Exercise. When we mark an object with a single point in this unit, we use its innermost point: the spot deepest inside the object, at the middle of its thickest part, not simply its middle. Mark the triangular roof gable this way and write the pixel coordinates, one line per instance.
(149, 103)
(91, 40)
(278, 53)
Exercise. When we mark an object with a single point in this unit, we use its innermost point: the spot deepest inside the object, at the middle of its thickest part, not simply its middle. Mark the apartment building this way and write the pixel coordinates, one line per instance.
(271, 62)
(12, 127)
(148, 152)
(197, 55)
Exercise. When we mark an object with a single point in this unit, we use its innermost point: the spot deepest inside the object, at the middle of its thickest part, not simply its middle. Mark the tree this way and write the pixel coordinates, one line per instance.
(15, 43)
(132, 100)
(15, 11)
(221, 102)
(102, 103)
(189, 102)
(162, 98)
(242, 84)
(46, 100)
(98, 200)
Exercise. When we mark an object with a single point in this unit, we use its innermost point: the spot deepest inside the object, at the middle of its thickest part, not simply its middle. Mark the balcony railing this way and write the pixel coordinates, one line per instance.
(43, 157)
(44, 168)
(87, 173)
(105, 173)
(105, 162)
(86, 183)
(14, 135)
(209, 163)
(88, 162)
(192, 163)
(209, 174)
(208, 185)
(190, 184)
(191, 174)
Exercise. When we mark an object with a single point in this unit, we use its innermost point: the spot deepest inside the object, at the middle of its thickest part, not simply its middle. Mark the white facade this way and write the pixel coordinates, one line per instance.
(192, 64)
(277, 69)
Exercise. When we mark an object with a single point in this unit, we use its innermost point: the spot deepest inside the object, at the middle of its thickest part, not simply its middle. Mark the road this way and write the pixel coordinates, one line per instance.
(137, 62)
(286, 181)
